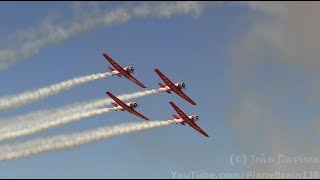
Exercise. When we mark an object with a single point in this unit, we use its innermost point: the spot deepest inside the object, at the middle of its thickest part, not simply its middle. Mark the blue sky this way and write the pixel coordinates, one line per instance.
(198, 50)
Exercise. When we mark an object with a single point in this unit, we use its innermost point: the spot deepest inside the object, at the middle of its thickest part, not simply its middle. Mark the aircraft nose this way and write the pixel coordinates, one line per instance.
(183, 85)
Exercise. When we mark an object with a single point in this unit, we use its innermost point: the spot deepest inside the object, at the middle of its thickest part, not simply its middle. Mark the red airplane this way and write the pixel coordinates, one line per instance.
(126, 106)
(177, 88)
(126, 72)
(191, 120)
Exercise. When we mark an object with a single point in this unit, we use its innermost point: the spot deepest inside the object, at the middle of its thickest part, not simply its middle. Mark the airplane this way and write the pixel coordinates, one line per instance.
(126, 106)
(126, 72)
(177, 88)
(191, 120)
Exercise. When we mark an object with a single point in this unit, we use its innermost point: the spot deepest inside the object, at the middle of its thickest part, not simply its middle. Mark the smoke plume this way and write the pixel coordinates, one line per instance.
(32, 128)
(49, 115)
(31, 41)
(13, 101)
(60, 142)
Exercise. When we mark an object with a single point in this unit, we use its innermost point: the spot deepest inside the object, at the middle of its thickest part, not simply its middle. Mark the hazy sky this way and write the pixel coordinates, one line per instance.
(252, 67)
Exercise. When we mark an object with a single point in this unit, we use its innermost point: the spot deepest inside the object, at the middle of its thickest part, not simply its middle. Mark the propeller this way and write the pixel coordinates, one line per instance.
(133, 72)
(185, 86)
(135, 105)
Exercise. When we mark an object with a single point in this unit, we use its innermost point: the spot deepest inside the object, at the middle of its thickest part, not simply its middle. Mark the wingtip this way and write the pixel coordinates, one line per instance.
(106, 55)
(142, 85)
(205, 134)
(173, 104)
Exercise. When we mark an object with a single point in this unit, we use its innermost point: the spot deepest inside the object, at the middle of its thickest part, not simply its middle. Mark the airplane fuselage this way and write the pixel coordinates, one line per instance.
(191, 117)
(130, 104)
(180, 85)
(128, 69)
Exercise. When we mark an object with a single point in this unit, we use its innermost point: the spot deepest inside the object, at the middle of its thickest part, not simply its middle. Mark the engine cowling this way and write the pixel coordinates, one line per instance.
(196, 117)
(130, 69)
(181, 85)
(133, 104)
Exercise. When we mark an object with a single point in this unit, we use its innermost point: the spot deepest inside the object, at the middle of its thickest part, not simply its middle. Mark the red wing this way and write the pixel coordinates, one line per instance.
(196, 127)
(115, 64)
(180, 112)
(187, 119)
(174, 88)
(131, 110)
(126, 107)
(122, 71)
(133, 79)
(184, 96)
(121, 103)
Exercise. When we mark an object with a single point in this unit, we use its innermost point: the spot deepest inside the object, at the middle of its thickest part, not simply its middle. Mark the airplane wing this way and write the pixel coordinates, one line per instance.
(133, 79)
(174, 87)
(196, 127)
(122, 71)
(126, 107)
(114, 64)
(132, 111)
(184, 96)
(187, 120)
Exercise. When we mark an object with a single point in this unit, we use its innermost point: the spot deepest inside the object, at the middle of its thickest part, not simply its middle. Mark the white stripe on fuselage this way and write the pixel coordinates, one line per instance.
(120, 107)
(190, 117)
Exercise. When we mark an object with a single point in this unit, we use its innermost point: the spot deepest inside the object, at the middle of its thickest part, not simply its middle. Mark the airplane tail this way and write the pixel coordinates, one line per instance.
(112, 69)
(163, 86)
(116, 105)
(176, 117)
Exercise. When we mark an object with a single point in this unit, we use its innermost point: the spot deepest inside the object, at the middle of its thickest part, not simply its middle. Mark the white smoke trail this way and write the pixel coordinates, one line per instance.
(37, 127)
(59, 142)
(31, 41)
(14, 101)
(41, 117)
